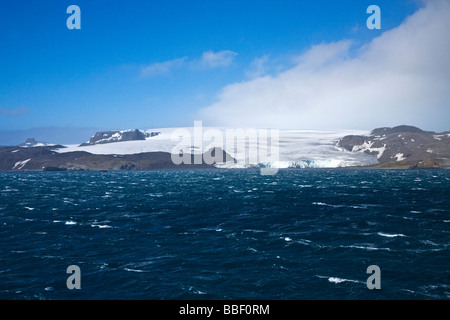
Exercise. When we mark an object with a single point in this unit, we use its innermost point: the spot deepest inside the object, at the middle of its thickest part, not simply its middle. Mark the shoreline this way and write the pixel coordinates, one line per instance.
(200, 167)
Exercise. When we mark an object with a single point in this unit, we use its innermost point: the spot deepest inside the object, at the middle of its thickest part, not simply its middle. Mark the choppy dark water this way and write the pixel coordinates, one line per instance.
(225, 234)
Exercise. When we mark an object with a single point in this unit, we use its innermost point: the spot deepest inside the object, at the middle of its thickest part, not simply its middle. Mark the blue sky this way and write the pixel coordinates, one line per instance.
(150, 64)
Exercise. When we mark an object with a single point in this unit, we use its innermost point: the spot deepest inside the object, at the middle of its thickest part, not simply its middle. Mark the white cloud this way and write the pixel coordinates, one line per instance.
(208, 60)
(258, 67)
(400, 77)
(163, 68)
(222, 58)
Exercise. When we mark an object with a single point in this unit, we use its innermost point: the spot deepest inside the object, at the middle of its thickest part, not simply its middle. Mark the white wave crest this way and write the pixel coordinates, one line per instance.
(338, 280)
(389, 235)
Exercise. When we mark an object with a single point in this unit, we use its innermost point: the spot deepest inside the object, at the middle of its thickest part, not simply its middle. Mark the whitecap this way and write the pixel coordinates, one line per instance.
(333, 205)
(258, 231)
(100, 226)
(368, 248)
(287, 239)
(428, 242)
(303, 242)
(338, 280)
(191, 289)
(361, 206)
(29, 208)
(69, 223)
(158, 195)
(391, 235)
(135, 270)
(409, 291)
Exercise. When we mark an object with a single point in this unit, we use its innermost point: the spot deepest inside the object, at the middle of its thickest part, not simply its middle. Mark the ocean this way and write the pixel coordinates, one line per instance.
(225, 234)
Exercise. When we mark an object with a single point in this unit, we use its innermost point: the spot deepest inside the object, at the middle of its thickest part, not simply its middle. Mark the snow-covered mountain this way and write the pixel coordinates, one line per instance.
(118, 136)
(398, 147)
(31, 142)
(296, 148)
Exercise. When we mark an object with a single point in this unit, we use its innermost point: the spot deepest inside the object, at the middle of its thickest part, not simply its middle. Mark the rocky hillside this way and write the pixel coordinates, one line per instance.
(403, 147)
(46, 159)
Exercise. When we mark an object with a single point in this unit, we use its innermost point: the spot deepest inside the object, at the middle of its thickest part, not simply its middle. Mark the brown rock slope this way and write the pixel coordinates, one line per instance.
(403, 147)
(46, 159)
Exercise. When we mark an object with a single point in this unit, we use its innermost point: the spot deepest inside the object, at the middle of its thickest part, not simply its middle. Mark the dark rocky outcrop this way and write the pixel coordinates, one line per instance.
(47, 159)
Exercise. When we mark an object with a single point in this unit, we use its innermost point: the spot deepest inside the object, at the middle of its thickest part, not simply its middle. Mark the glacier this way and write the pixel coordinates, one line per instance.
(296, 148)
